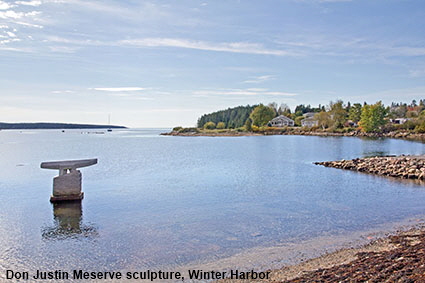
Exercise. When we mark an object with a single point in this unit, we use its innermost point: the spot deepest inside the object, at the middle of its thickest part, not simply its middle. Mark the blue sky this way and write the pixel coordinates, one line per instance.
(165, 63)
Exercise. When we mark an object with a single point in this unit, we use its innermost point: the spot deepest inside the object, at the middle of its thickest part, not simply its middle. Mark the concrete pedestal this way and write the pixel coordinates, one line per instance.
(67, 186)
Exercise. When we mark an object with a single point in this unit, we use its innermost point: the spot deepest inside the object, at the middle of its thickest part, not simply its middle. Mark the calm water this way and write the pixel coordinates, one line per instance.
(155, 202)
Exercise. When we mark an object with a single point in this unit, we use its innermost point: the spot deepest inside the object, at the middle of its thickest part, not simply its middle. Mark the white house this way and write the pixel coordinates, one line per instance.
(399, 120)
(309, 122)
(309, 114)
(281, 121)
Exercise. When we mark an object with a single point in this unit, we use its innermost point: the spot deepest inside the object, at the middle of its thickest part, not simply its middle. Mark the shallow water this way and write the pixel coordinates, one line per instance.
(163, 202)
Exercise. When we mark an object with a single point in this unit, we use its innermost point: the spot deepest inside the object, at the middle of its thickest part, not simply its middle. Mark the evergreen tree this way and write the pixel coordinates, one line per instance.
(231, 117)
(355, 112)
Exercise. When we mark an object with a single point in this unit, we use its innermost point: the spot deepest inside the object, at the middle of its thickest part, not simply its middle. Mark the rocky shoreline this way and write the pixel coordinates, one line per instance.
(405, 167)
(233, 133)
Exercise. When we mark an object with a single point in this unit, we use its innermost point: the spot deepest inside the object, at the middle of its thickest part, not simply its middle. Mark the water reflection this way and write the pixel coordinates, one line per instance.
(68, 222)
(376, 153)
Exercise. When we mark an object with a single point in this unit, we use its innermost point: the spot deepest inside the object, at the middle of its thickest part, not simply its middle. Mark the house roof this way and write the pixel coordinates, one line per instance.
(309, 114)
(281, 117)
(308, 119)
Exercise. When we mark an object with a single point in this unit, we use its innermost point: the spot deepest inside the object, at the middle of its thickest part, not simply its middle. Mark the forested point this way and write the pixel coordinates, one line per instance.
(231, 117)
(336, 117)
(33, 126)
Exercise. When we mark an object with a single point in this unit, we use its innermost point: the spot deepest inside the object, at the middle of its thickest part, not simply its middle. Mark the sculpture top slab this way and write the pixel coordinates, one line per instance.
(68, 165)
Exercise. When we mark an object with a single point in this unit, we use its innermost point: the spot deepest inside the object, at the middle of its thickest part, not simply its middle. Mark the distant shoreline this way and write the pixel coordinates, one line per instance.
(54, 126)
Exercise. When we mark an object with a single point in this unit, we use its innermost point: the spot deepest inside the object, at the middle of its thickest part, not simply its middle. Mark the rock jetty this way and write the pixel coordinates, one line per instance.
(405, 167)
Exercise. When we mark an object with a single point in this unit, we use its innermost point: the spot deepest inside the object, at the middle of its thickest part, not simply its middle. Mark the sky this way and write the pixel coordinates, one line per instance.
(165, 63)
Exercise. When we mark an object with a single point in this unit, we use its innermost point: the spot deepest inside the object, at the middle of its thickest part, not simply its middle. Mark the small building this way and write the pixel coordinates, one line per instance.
(399, 120)
(309, 122)
(281, 121)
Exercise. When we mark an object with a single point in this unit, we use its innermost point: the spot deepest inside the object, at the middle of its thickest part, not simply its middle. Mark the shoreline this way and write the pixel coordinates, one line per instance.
(293, 258)
(233, 133)
(359, 259)
(393, 258)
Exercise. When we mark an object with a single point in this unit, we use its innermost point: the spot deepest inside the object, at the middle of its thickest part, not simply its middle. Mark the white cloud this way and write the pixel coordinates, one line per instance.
(10, 34)
(234, 47)
(241, 92)
(356, 48)
(62, 91)
(10, 14)
(118, 89)
(9, 40)
(63, 49)
(28, 24)
(259, 79)
(29, 3)
(5, 6)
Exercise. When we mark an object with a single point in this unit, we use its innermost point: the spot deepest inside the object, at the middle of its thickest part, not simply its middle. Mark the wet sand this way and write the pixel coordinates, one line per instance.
(396, 258)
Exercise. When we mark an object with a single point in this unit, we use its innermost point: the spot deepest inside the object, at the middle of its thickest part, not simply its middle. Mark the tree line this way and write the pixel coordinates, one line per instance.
(230, 118)
(335, 116)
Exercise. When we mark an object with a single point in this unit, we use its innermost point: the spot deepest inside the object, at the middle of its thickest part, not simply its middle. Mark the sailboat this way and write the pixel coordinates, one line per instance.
(109, 123)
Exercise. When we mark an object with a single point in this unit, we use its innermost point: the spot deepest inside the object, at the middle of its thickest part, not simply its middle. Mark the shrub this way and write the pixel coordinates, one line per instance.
(315, 128)
(410, 125)
(221, 125)
(297, 121)
(177, 129)
(189, 130)
(420, 128)
(209, 126)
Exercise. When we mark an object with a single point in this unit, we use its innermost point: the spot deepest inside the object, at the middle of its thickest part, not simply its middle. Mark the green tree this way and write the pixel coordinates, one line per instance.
(209, 125)
(323, 119)
(261, 115)
(355, 112)
(338, 113)
(221, 125)
(248, 125)
(372, 117)
(231, 117)
(297, 121)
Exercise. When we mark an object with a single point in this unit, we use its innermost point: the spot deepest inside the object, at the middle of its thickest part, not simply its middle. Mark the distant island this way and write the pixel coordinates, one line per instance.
(46, 126)
(398, 120)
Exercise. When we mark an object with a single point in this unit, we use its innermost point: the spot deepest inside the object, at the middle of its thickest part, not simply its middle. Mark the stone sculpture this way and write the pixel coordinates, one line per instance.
(67, 186)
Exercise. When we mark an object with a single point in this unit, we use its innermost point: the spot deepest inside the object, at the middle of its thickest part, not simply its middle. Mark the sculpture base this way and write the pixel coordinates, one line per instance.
(80, 196)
